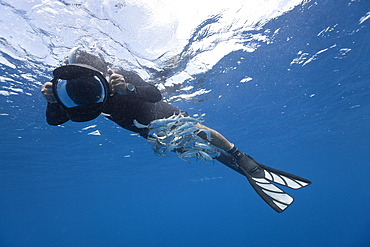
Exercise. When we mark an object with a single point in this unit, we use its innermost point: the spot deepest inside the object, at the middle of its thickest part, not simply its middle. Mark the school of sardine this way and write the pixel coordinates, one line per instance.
(179, 134)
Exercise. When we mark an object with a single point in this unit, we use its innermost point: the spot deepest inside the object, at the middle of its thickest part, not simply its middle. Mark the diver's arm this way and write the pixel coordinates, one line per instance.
(148, 93)
(132, 85)
(55, 114)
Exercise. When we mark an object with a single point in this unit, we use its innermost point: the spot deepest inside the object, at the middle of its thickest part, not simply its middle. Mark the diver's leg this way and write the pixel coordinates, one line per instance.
(217, 139)
(259, 176)
(236, 159)
(244, 162)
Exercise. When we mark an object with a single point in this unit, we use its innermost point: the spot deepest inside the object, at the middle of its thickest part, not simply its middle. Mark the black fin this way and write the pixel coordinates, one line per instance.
(278, 199)
(261, 176)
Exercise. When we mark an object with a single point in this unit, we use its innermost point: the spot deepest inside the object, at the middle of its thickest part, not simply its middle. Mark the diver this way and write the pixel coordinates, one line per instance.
(80, 92)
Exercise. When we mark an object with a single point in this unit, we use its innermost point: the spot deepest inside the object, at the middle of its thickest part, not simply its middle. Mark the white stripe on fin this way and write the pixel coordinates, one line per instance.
(268, 175)
(261, 180)
(302, 183)
(269, 186)
(291, 183)
(280, 205)
(281, 197)
(277, 179)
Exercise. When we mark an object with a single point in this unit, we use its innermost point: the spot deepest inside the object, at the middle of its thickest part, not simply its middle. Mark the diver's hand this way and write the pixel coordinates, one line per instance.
(119, 85)
(47, 92)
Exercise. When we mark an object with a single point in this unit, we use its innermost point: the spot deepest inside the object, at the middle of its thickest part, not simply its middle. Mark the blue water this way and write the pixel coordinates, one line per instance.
(63, 186)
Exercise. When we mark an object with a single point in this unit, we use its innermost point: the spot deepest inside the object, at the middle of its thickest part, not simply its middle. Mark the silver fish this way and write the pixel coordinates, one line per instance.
(203, 146)
(188, 154)
(205, 156)
(189, 119)
(188, 131)
(184, 126)
(179, 133)
(207, 132)
(160, 122)
(139, 125)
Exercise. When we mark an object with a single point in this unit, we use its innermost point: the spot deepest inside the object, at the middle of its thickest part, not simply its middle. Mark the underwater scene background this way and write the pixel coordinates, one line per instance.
(286, 81)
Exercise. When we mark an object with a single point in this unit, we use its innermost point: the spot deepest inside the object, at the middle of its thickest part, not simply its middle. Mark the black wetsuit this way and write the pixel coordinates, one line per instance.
(144, 105)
